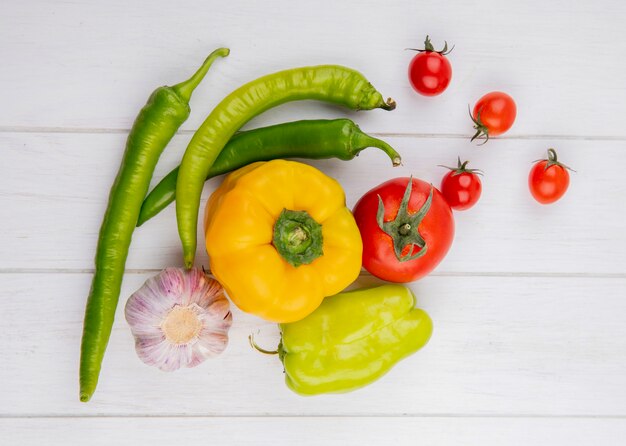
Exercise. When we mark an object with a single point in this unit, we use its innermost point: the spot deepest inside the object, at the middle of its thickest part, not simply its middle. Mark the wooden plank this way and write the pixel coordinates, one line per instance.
(75, 64)
(56, 187)
(529, 334)
(312, 431)
(501, 346)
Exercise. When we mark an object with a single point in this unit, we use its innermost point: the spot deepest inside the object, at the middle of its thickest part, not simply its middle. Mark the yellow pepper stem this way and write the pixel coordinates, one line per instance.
(297, 237)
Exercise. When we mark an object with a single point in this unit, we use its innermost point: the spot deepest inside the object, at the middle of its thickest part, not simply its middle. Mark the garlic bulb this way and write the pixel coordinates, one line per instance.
(179, 318)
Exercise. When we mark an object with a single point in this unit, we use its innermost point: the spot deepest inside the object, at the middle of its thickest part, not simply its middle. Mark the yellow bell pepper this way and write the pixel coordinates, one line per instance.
(280, 238)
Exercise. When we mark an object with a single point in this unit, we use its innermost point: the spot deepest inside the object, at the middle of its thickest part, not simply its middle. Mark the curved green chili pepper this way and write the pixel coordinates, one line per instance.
(330, 83)
(157, 122)
(352, 339)
(315, 139)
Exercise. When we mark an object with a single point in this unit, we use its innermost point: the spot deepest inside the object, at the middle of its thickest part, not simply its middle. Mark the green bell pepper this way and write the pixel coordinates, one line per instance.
(352, 339)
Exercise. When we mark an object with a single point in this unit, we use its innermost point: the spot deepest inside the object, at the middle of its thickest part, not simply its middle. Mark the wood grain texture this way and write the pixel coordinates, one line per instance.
(241, 431)
(57, 185)
(501, 346)
(528, 306)
(92, 65)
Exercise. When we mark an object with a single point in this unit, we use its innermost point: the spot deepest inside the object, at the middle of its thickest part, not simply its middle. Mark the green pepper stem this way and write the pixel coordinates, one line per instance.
(360, 141)
(255, 346)
(186, 88)
(389, 105)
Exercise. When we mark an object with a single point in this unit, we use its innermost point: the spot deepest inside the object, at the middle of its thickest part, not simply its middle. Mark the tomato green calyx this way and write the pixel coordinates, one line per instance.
(297, 237)
(552, 161)
(404, 229)
(429, 48)
(481, 129)
(462, 168)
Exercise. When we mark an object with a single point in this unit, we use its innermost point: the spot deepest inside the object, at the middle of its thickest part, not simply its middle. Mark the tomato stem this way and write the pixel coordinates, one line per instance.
(462, 168)
(553, 161)
(552, 157)
(404, 228)
(429, 48)
(481, 129)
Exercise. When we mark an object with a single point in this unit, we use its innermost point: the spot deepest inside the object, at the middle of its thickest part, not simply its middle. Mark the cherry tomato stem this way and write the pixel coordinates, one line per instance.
(428, 46)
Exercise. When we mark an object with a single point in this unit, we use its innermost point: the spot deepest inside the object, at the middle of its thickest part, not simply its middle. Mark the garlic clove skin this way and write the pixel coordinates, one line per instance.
(179, 318)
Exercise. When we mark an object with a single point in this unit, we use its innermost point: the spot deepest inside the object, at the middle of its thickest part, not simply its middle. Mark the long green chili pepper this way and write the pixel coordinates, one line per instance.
(315, 139)
(157, 122)
(330, 83)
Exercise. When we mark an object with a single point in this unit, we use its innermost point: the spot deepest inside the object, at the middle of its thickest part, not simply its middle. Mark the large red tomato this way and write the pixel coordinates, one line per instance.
(407, 228)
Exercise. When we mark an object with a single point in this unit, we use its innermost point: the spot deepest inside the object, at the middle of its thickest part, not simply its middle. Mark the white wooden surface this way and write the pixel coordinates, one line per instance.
(530, 342)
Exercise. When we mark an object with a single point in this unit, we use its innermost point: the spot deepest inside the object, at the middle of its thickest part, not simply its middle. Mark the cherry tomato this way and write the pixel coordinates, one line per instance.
(430, 71)
(493, 115)
(461, 187)
(548, 179)
(407, 228)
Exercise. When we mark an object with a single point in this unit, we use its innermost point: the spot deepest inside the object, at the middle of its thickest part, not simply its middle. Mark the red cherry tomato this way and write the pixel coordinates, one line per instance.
(548, 179)
(407, 228)
(430, 71)
(461, 187)
(493, 114)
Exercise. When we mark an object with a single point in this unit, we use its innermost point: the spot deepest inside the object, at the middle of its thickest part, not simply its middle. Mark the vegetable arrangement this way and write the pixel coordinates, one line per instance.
(315, 139)
(166, 109)
(282, 243)
(330, 83)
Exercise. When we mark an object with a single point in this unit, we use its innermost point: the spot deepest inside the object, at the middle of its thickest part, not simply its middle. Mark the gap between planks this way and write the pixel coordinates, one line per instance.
(563, 275)
(372, 415)
(95, 130)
